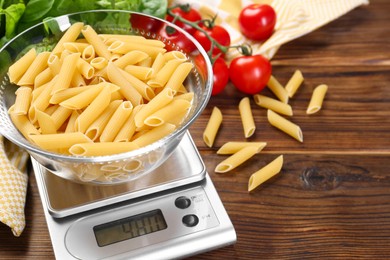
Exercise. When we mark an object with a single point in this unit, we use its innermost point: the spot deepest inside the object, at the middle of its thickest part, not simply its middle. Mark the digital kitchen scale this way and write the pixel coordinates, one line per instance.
(173, 212)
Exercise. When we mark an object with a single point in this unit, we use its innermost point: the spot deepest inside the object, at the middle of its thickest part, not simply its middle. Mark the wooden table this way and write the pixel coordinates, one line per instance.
(332, 198)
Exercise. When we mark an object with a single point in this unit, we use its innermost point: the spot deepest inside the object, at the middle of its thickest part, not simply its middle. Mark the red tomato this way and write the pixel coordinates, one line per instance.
(145, 23)
(189, 14)
(250, 74)
(220, 76)
(178, 39)
(218, 33)
(257, 21)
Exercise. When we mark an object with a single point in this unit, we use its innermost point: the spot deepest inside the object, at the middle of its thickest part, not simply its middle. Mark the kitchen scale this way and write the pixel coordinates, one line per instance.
(173, 212)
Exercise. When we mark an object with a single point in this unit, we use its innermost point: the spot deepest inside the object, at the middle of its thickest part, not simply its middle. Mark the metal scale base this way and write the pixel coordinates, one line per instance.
(174, 212)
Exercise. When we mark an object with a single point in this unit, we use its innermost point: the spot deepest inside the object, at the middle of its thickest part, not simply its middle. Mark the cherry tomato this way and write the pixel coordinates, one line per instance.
(218, 33)
(257, 21)
(220, 76)
(250, 74)
(145, 23)
(178, 39)
(187, 13)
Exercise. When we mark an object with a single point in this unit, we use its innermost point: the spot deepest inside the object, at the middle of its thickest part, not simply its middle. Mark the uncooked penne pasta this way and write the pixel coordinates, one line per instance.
(154, 135)
(70, 127)
(212, 127)
(86, 69)
(265, 173)
(276, 88)
(294, 83)
(130, 58)
(75, 46)
(144, 89)
(247, 120)
(59, 141)
(126, 88)
(233, 147)
(141, 73)
(99, 63)
(24, 125)
(115, 123)
(22, 101)
(84, 98)
(71, 34)
(317, 99)
(161, 100)
(16, 70)
(37, 66)
(96, 128)
(273, 104)
(163, 75)
(60, 115)
(285, 125)
(98, 45)
(46, 123)
(179, 75)
(88, 53)
(128, 129)
(236, 159)
(68, 93)
(165, 114)
(177, 55)
(43, 77)
(99, 149)
(66, 73)
(157, 64)
(125, 47)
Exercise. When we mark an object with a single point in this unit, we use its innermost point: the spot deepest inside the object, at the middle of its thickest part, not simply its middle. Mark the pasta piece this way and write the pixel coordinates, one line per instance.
(24, 125)
(99, 63)
(75, 46)
(146, 62)
(97, 127)
(175, 55)
(285, 125)
(22, 101)
(71, 34)
(131, 58)
(88, 53)
(163, 75)
(189, 96)
(212, 127)
(83, 99)
(294, 83)
(37, 66)
(93, 111)
(179, 75)
(53, 142)
(276, 88)
(144, 89)
(128, 129)
(165, 114)
(116, 122)
(54, 64)
(317, 99)
(85, 68)
(126, 88)
(141, 73)
(236, 159)
(154, 135)
(233, 147)
(66, 73)
(60, 115)
(158, 63)
(70, 126)
(247, 120)
(265, 173)
(42, 101)
(273, 104)
(99, 149)
(17, 69)
(46, 123)
(98, 45)
(68, 93)
(161, 100)
(42, 78)
(125, 47)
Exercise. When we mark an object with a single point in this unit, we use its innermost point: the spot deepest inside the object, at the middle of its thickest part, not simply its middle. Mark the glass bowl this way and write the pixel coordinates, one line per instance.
(121, 167)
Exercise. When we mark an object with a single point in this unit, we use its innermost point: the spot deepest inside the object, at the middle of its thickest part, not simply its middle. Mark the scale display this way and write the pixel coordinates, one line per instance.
(130, 227)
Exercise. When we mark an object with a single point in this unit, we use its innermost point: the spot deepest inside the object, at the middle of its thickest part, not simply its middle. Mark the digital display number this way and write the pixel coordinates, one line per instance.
(130, 227)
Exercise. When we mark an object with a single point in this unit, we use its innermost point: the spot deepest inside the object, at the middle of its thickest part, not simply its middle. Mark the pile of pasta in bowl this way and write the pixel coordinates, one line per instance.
(104, 105)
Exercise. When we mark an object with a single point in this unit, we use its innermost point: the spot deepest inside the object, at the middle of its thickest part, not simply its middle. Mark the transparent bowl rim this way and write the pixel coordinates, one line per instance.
(143, 150)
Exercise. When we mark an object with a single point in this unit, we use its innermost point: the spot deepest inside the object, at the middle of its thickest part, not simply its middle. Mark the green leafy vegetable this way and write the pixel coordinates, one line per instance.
(36, 9)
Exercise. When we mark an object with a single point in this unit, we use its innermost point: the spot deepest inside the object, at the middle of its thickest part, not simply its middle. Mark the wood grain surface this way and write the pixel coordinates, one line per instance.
(332, 198)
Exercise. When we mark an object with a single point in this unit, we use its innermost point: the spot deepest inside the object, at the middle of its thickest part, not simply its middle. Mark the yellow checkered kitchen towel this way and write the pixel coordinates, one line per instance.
(13, 186)
(295, 18)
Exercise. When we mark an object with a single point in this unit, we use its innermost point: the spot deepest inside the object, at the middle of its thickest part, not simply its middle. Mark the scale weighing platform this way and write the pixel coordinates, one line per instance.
(172, 213)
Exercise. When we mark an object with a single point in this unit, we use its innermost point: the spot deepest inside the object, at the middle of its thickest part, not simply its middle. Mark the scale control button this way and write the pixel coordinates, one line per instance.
(190, 220)
(182, 202)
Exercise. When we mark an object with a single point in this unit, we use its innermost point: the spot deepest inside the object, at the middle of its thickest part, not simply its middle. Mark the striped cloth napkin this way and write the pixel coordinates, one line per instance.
(295, 18)
(13, 186)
